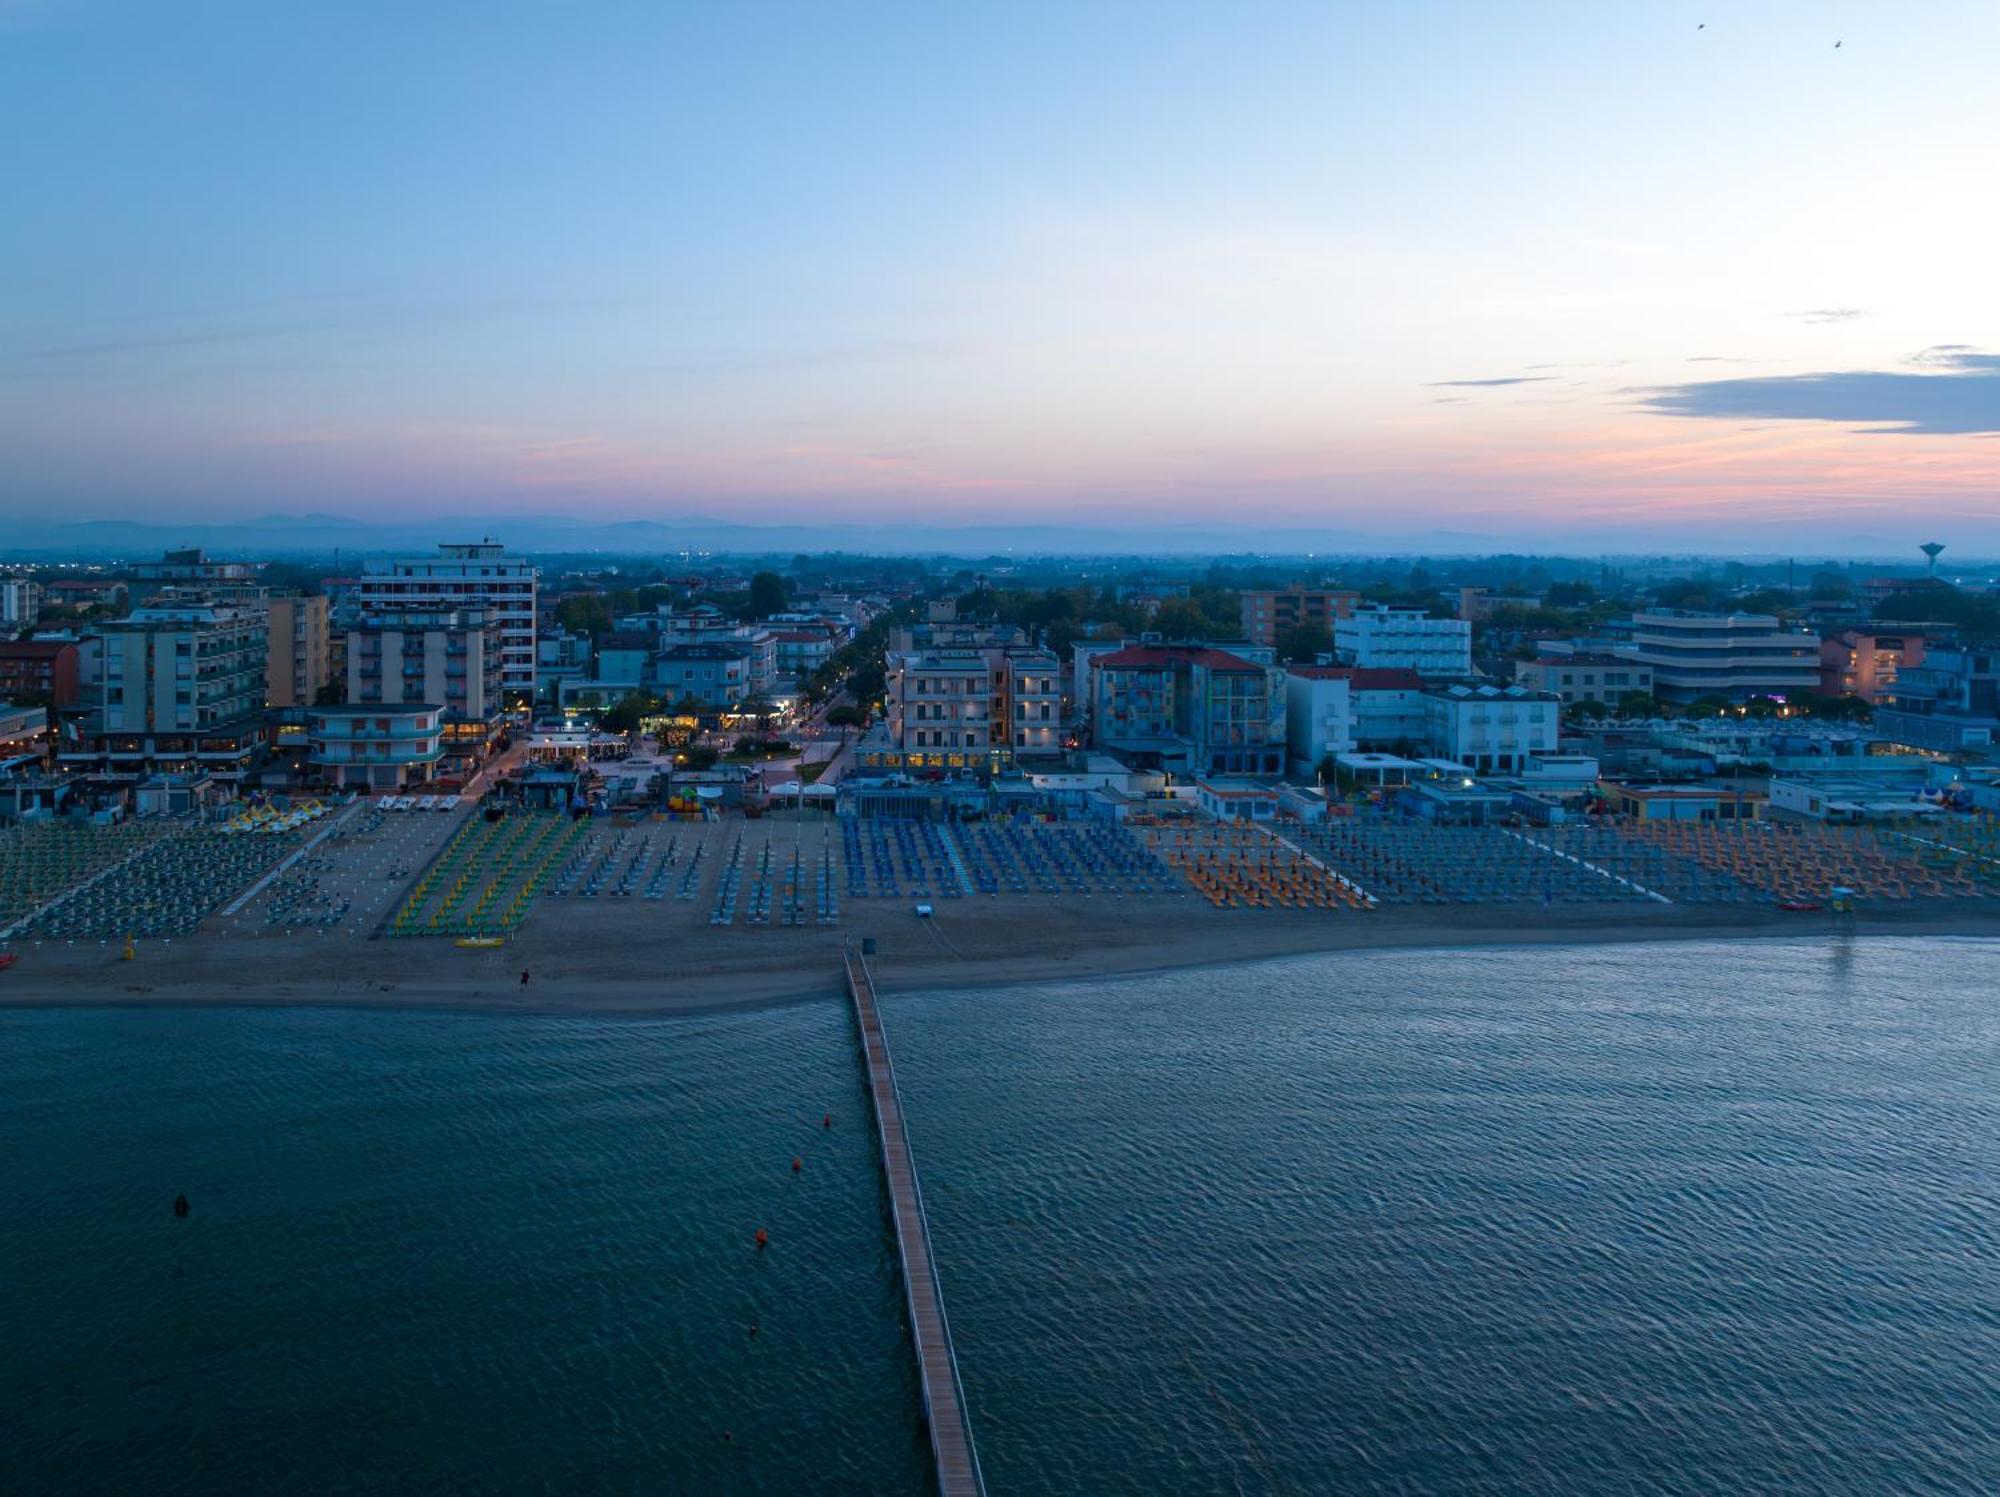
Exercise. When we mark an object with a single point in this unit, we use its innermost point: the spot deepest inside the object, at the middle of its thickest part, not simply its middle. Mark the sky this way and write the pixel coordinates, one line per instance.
(1566, 273)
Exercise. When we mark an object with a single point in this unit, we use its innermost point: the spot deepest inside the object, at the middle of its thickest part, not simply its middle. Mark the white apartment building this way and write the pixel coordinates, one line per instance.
(20, 602)
(1319, 715)
(480, 575)
(1379, 637)
(1732, 655)
(1491, 729)
(183, 668)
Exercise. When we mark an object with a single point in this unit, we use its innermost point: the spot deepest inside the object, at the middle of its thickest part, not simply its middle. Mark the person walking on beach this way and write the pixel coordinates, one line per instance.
(524, 977)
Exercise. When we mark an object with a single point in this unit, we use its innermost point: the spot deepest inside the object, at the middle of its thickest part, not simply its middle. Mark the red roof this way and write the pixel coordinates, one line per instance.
(1158, 657)
(1361, 678)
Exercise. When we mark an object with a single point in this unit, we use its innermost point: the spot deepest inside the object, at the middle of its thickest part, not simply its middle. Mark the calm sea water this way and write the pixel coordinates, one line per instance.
(1671, 1219)
(1668, 1219)
(435, 1252)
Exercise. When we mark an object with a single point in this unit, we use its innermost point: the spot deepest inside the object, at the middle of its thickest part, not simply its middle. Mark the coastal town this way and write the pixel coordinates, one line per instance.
(615, 773)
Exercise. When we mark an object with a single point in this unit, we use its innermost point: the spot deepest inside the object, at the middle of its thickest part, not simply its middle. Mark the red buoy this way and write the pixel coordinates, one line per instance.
(827, 1121)
(797, 1164)
(763, 1239)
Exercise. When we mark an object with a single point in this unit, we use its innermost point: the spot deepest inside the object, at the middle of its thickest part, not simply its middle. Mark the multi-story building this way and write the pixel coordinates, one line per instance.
(46, 669)
(1948, 704)
(480, 575)
(804, 648)
(1379, 637)
(560, 656)
(375, 746)
(1189, 708)
(1268, 614)
(190, 570)
(182, 689)
(1490, 729)
(446, 657)
(1865, 664)
(1585, 677)
(1319, 715)
(299, 664)
(714, 673)
(86, 592)
(20, 602)
(1728, 655)
(973, 708)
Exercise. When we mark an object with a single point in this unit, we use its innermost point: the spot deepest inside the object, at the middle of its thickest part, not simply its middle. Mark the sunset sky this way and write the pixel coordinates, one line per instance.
(1558, 271)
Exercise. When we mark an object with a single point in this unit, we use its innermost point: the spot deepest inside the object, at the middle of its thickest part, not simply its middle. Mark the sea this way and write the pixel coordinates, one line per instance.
(1684, 1217)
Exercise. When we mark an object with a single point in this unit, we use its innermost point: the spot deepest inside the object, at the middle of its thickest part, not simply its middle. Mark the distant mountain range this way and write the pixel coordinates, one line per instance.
(320, 535)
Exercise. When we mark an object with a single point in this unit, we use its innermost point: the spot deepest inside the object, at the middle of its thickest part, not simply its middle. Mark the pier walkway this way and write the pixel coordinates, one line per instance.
(937, 1365)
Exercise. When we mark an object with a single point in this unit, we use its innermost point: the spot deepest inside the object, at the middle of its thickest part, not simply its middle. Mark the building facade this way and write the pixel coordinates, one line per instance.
(445, 657)
(715, 673)
(1948, 704)
(375, 747)
(1864, 664)
(300, 660)
(1379, 637)
(1319, 715)
(48, 669)
(1189, 708)
(1728, 655)
(1491, 729)
(182, 690)
(20, 602)
(973, 708)
(1268, 614)
(479, 575)
(1585, 677)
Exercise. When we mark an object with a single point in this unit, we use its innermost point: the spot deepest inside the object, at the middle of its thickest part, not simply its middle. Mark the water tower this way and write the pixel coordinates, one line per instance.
(1931, 549)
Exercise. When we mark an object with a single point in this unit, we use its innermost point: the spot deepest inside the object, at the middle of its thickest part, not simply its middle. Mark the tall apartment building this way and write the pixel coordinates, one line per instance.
(182, 689)
(1189, 708)
(1381, 637)
(973, 708)
(1731, 655)
(445, 657)
(299, 662)
(1266, 615)
(20, 602)
(480, 575)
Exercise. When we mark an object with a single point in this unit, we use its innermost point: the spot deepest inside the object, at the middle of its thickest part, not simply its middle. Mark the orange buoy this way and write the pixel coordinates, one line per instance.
(797, 1164)
(763, 1239)
(827, 1121)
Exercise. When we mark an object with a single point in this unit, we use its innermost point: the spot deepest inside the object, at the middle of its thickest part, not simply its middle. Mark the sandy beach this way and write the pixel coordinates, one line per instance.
(630, 956)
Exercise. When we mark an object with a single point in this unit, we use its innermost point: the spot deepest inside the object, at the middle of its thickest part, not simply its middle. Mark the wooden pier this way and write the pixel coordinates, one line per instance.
(937, 1365)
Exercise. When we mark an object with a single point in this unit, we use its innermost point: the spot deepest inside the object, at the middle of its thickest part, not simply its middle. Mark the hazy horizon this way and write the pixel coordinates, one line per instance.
(1577, 276)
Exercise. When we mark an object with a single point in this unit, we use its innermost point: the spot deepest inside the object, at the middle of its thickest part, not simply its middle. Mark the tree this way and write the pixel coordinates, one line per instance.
(1638, 704)
(1180, 618)
(1587, 711)
(1710, 706)
(624, 716)
(588, 613)
(699, 756)
(1569, 595)
(767, 595)
(1302, 644)
(845, 717)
